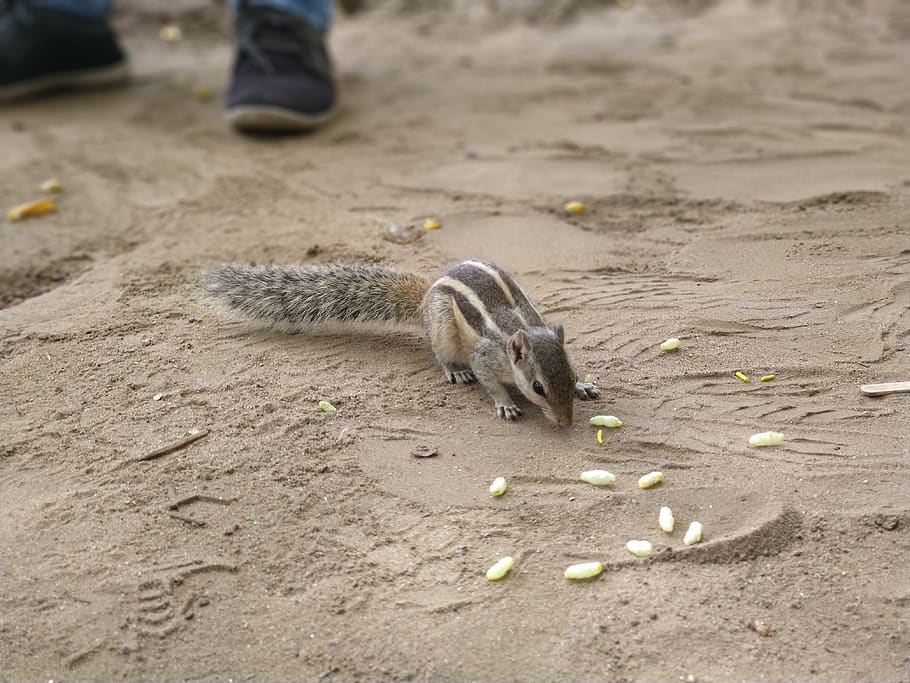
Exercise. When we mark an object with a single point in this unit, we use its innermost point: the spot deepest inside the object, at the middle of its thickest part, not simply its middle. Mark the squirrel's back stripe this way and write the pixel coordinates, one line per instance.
(468, 301)
(497, 278)
(498, 303)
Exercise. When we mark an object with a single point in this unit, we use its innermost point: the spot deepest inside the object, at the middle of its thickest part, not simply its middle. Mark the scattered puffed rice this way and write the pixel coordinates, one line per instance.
(650, 479)
(665, 520)
(598, 477)
(600, 437)
(670, 345)
(766, 439)
(639, 548)
(767, 378)
(500, 569)
(51, 186)
(575, 207)
(499, 486)
(693, 533)
(584, 570)
(157, 397)
(17, 213)
(744, 378)
(431, 224)
(170, 33)
(327, 407)
(606, 421)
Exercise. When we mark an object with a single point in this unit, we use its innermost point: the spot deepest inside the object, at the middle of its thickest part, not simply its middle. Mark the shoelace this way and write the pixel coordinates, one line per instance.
(261, 30)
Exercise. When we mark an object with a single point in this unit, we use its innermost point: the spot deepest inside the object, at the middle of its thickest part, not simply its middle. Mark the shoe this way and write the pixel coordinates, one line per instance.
(281, 80)
(45, 49)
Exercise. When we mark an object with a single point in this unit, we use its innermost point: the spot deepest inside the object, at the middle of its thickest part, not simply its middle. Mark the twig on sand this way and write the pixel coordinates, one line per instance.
(191, 521)
(886, 388)
(176, 445)
(198, 498)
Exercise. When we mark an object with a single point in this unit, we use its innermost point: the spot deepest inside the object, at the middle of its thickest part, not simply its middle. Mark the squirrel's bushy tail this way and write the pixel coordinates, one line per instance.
(303, 296)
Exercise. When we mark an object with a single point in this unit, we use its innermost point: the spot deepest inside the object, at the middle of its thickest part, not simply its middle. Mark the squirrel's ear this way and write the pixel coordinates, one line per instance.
(560, 334)
(518, 346)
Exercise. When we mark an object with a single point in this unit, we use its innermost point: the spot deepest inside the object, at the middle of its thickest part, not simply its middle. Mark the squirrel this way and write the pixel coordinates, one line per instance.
(481, 325)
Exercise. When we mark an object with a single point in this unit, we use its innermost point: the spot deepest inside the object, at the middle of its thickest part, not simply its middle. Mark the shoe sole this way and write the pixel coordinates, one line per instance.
(84, 78)
(266, 119)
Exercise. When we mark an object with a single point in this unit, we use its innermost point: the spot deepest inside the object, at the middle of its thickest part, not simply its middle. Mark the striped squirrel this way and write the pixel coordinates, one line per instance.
(482, 326)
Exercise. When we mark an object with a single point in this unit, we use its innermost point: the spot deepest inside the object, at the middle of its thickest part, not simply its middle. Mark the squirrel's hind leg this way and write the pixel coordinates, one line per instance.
(446, 341)
(453, 362)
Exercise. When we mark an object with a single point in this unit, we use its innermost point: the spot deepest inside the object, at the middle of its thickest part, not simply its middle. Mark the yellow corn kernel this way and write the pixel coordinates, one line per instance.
(767, 378)
(327, 407)
(202, 93)
(431, 224)
(640, 548)
(670, 345)
(693, 533)
(600, 437)
(17, 213)
(650, 479)
(170, 33)
(500, 569)
(584, 570)
(766, 439)
(575, 207)
(51, 186)
(499, 486)
(598, 477)
(665, 520)
(744, 378)
(610, 421)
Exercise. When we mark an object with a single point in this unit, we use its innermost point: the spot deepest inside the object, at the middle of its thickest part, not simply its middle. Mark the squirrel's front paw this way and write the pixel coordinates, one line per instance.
(508, 412)
(586, 390)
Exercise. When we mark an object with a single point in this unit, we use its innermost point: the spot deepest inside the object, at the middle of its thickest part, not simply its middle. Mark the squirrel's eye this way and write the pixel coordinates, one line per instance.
(538, 388)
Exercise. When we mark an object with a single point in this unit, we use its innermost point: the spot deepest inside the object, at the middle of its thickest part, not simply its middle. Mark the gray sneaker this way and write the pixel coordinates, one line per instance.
(44, 49)
(281, 80)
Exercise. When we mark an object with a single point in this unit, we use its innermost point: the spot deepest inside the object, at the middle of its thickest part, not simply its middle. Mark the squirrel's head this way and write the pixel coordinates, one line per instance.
(543, 372)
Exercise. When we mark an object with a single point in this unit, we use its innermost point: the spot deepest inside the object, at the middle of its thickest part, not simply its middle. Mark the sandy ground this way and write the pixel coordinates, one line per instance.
(745, 169)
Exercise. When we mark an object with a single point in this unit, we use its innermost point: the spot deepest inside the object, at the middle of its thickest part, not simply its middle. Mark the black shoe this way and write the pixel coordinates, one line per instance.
(282, 75)
(45, 49)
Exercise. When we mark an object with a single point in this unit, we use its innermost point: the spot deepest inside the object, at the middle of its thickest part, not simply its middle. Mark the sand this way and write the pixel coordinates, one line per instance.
(744, 165)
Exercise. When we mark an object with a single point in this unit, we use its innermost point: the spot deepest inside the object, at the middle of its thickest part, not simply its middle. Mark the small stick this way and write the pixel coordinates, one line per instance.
(177, 445)
(886, 388)
(199, 498)
(192, 521)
